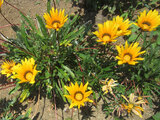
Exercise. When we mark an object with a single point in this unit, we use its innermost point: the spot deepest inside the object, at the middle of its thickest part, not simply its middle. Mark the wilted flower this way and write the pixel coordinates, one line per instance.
(133, 105)
(108, 85)
(78, 95)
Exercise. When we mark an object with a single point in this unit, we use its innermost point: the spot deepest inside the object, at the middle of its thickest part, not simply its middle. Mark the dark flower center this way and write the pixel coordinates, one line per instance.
(106, 35)
(55, 22)
(28, 75)
(119, 29)
(10, 67)
(78, 96)
(127, 57)
(146, 23)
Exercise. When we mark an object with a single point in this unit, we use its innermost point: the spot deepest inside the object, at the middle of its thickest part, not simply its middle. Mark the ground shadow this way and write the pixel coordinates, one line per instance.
(87, 112)
(9, 106)
(109, 8)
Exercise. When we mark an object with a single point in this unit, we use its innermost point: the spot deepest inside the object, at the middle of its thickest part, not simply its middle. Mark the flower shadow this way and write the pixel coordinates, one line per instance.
(87, 112)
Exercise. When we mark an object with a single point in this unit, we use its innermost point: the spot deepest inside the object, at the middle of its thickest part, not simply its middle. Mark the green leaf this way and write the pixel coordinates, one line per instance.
(156, 116)
(61, 93)
(24, 37)
(69, 71)
(158, 39)
(150, 102)
(113, 9)
(48, 6)
(15, 89)
(19, 117)
(125, 15)
(94, 96)
(47, 74)
(73, 35)
(63, 74)
(28, 112)
(68, 26)
(132, 37)
(107, 69)
(63, 84)
(25, 93)
(42, 26)
(29, 21)
(154, 1)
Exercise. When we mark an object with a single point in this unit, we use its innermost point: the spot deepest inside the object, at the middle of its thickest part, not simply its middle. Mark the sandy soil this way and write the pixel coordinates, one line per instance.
(45, 110)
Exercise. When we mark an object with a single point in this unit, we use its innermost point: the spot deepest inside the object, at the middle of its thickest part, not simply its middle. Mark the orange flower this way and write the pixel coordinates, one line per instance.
(78, 94)
(148, 21)
(107, 32)
(55, 20)
(129, 54)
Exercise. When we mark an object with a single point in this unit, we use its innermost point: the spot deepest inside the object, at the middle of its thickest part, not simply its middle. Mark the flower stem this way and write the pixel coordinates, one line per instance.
(80, 68)
(58, 43)
(6, 19)
(105, 48)
(114, 96)
(138, 36)
(147, 46)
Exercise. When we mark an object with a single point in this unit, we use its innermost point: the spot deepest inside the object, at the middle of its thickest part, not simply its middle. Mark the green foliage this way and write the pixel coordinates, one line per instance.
(112, 7)
(8, 114)
(156, 116)
(53, 51)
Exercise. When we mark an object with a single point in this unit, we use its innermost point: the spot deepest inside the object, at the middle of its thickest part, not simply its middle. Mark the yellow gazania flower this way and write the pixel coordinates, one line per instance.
(133, 105)
(108, 85)
(148, 21)
(7, 68)
(129, 54)
(26, 71)
(123, 28)
(1, 2)
(78, 95)
(107, 32)
(55, 20)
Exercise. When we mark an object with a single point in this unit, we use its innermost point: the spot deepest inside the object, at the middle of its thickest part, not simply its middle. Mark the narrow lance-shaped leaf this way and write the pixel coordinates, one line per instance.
(24, 95)
(69, 71)
(48, 5)
(68, 26)
(24, 37)
(63, 74)
(73, 35)
(28, 20)
(42, 26)
(61, 93)
(15, 89)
